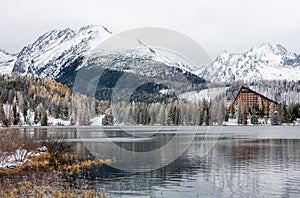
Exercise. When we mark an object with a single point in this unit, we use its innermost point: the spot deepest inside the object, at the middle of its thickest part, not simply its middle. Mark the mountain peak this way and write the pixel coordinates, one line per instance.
(5, 52)
(54, 34)
(268, 49)
(264, 62)
(94, 28)
(56, 49)
(223, 55)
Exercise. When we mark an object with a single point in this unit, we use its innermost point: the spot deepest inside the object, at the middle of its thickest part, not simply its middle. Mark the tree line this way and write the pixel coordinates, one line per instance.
(37, 101)
(171, 112)
(262, 113)
(33, 100)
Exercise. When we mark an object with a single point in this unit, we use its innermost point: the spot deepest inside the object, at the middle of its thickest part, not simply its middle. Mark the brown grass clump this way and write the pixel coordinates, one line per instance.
(46, 175)
(39, 189)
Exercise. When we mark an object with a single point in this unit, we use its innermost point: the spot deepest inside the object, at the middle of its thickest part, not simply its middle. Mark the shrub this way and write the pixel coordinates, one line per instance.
(58, 149)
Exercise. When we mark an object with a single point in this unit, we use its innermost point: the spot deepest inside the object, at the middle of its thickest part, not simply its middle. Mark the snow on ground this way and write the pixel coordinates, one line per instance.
(58, 122)
(297, 121)
(279, 73)
(206, 94)
(97, 120)
(166, 91)
(231, 122)
(20, 157)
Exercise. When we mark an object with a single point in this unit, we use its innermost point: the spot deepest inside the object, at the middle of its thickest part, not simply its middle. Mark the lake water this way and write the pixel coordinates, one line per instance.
(252, 161)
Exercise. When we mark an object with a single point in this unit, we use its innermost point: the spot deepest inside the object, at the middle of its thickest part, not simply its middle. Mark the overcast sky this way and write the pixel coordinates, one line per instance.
(234, 25)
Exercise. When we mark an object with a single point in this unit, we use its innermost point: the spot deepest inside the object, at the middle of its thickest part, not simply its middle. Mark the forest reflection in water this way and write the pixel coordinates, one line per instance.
(262, 161)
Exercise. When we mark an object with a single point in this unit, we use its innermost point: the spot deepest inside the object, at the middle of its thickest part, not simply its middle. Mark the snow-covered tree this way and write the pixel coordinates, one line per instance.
(108, 118)
(221, 113)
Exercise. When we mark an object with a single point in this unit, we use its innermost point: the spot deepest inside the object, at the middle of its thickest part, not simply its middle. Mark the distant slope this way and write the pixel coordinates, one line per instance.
(7, 62)
(265, 62)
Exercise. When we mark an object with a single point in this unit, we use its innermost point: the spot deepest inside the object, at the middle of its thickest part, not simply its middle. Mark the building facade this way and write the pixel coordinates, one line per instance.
(247, 99)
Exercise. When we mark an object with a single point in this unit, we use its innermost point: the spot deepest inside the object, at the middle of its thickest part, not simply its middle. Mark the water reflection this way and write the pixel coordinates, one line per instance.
(239, 165)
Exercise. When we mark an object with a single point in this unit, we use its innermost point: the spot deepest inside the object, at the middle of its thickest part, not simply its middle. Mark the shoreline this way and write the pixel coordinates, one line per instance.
(146, 126)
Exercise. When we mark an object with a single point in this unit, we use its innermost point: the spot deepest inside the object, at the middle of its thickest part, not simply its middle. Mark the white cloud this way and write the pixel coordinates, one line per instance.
(234, 25)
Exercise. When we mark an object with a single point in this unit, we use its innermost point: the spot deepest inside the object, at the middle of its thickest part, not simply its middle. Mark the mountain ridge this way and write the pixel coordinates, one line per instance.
(54, 50)
(57, 52)
(264, 62)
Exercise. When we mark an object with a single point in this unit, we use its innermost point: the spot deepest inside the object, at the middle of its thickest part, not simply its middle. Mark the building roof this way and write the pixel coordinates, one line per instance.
(250, 90)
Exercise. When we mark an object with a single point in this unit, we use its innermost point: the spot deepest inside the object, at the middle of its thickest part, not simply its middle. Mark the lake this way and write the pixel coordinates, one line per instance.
(229, 161)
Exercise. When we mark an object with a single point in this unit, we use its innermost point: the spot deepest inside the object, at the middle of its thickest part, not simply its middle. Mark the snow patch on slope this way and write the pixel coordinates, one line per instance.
(265, 62)
(205, 94)
(7, 62)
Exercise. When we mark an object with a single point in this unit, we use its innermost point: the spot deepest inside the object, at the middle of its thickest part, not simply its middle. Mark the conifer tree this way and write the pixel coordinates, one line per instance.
(239, 115)
(3, 119)
(108, 118)
(254, 119)
(274, 118)
(161, 115)
(11, 117)
(16, 115)
(201, 114)
(24, 111)
(221, 113)
(245, 116)
(73, 119)
(44, 119)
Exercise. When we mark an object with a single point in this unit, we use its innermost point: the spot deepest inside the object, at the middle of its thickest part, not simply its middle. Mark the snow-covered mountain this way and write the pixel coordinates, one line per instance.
(265, 62)
(56, 50)
(58, 54)
(141, 61)
(7, 62)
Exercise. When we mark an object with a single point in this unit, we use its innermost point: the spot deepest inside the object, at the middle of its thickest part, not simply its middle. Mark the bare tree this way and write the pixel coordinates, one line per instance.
(58, 148)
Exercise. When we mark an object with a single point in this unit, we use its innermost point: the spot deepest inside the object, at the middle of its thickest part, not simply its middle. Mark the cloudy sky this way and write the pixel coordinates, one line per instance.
(234, 25)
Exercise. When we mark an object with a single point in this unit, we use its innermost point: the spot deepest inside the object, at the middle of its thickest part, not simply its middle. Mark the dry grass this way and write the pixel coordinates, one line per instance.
(47, 182)
(57, 164)
(41, 189)
(42, 163)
